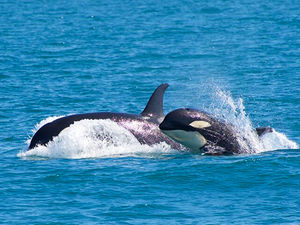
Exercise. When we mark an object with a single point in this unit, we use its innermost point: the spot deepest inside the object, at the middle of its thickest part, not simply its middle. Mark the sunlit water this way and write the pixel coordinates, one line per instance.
(235, 60)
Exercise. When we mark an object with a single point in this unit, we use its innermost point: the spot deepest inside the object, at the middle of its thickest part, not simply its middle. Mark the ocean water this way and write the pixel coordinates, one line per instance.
(239, 60)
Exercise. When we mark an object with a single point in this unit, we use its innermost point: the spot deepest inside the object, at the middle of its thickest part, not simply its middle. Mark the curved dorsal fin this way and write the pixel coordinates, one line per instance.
(154, 107)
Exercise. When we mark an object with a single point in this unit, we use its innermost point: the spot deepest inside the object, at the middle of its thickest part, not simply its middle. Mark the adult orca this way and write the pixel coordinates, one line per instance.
(143, 126)
(198, 130)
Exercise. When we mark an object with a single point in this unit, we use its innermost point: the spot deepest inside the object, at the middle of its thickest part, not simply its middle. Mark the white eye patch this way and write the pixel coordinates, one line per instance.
(200, 124)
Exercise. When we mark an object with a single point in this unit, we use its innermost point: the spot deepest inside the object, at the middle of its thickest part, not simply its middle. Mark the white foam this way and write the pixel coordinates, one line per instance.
(94, 139)
(276, 140)
(233, 111)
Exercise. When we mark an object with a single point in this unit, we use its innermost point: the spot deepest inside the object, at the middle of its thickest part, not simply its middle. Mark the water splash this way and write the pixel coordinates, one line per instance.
(42, 123)
(105, 138)
(233, 111)
(94, 139)
(276, 140)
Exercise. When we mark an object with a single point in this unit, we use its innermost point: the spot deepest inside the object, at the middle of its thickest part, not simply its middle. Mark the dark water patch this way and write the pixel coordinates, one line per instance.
(210, 10)
(8, 139)
(145, 69)
(193, 56)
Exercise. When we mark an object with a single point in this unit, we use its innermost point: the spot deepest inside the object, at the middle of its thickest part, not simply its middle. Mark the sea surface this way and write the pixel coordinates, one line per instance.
(238, 60)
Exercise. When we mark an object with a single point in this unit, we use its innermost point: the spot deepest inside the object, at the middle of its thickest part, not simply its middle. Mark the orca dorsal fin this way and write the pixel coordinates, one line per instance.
(154, 107)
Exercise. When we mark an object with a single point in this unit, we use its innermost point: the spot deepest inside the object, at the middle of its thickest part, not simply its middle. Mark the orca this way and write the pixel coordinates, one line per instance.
(144, 126)
(197, 130)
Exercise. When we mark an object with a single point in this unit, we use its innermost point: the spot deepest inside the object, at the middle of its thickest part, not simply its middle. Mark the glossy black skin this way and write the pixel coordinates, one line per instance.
(147, 123)
(221, 137)
(50, 130)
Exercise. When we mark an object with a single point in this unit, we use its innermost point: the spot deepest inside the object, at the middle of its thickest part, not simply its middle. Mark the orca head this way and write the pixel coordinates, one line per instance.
(187, 126)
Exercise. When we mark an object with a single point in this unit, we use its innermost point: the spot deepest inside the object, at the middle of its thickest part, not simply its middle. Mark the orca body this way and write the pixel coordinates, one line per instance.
(144, 126)
(198, 130)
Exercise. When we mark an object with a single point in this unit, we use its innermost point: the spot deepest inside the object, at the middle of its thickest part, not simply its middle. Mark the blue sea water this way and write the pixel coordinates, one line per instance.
(239, 60)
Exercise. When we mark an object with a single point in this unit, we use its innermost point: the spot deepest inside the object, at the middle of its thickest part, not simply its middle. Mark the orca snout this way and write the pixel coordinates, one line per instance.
(164, 125)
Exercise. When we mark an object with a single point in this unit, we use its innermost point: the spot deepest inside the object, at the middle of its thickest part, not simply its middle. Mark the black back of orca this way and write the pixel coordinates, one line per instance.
(152, 115)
